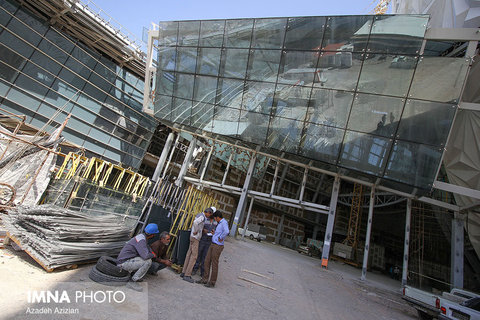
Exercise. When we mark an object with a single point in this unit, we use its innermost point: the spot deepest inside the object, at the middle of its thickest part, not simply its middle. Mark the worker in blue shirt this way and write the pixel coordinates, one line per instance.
(215, 250)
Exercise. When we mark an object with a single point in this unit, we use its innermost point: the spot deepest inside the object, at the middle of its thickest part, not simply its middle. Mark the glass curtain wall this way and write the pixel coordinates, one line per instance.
(45, 73)
(351, 92)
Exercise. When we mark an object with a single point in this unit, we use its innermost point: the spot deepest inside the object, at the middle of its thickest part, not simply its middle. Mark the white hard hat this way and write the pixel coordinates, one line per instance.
(214, 209)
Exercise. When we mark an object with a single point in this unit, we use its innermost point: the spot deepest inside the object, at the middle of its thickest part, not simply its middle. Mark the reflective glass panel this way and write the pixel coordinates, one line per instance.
(291, 101)
(376, 114)
(426, 122)
(181, 111)
(166, 58)
(202, 115)
(231, 93)
(205, 89)
(298, 67)
(386, 74)
(186, 59)
(329, 107)
(305, 33)
(338, 70)
(269, 33)
(413, 163)
(401, 34)
(238, 33)
(439, 79)
(226, 121)
(18, 28)
(168, 33)
(208, 61)
(347, 33)
(188, 32)
(284, 134)
(211, 33)
(184, 85)
(321, 142)
(263, 65)
(364, 152)
(253, 126)
(235, 63)
(258, 97)
(165, 82)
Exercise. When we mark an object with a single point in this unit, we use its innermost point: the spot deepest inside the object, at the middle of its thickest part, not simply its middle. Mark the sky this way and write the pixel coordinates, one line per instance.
(135, 15)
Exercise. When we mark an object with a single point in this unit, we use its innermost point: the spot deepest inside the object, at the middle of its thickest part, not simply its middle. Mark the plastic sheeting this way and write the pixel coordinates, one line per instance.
(25, 159)
(59, 237)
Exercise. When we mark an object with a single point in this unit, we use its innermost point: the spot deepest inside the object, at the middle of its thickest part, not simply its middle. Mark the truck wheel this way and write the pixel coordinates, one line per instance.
(422, 315)
(258, 239)
(252, 237)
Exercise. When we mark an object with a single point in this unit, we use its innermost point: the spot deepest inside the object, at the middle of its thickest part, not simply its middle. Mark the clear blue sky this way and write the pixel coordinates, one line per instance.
(134, 15)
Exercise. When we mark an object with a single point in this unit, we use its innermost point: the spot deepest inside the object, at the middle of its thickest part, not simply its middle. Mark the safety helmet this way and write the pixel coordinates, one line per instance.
(214, 209)
(151, 228)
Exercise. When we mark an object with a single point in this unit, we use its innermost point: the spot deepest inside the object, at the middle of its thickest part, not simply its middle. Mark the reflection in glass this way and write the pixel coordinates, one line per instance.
(211, 33)
(205, 89)
(235, 63)
(263, 65)
(426, 122)
(439, 79)
(231, 93)
(253, 127)
(258, 97)
(321, 142)
(329, 107)
(186, 59)
(165, 82)
(226, 121)
(413, 164)
(166, 58)
(347, 33)
(298, 67)
(208, 61)
(184, 86)
(168, 33)
(202, 114)
(338, 70)
(291, 101)
(364, 152)
(387, 74)
(304, 33)
(163, 109)
(375, 114)
(181, 111)
(401, 34)
(269, 33)
(238, 33)
(284, 134)
(188, 32)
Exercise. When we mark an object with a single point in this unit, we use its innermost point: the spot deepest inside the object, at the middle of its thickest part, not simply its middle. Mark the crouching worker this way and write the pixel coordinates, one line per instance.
(160, 248)
(136, 256)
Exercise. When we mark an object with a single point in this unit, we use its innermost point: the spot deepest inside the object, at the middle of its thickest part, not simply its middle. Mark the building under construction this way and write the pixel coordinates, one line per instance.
(355, 133)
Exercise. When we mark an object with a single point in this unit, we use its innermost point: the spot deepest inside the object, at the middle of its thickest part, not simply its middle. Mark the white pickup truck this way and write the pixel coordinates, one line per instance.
(254, 231)
(429, 305)
(466, 310)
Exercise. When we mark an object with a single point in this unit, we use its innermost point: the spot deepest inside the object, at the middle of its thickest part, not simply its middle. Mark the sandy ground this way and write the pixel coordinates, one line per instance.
(303, 290)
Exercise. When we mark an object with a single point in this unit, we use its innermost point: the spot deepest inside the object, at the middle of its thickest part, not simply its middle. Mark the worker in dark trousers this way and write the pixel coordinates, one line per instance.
(136, 256)
(215, 250)
(204, 244)
(160, 248)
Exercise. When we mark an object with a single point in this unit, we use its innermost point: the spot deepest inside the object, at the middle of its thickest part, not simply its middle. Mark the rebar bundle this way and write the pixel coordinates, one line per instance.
(59, 237)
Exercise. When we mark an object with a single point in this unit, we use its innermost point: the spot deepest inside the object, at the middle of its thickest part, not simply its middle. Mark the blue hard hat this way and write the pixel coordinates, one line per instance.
(151, 228)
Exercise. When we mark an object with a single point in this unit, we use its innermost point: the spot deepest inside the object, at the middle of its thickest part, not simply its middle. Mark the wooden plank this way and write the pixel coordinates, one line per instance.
(14, 239)
(257, 274)
(257, 283)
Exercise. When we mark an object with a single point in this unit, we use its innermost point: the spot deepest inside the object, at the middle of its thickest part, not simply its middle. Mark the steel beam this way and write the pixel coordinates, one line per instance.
(330, 222)
(469, 106)
(369, 232)
(204, 170)
(279, 229)
(472, 193)
(457, 34)
(456, 274)
(163, 157)
(248, 217)
(228, 167)
(170, 156)
(186, 162)
(406, 246)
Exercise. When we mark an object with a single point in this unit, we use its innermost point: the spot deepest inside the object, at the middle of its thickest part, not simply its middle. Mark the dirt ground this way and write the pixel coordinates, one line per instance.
(302, 290)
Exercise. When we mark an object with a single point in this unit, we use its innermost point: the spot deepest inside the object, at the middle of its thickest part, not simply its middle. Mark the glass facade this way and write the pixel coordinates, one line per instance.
(46, 73)
(350, 92)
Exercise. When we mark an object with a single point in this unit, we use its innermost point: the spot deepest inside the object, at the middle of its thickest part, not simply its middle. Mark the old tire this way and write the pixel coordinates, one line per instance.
(103, 278)
(252, 237)
(108, 266)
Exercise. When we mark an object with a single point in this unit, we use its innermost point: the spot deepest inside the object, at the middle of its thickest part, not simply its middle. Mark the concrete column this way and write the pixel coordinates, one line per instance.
(243, 197)
(279, 229)
(457, 256)
(330, 222)
(248, 218)
(408, 218)
(186, 162)
(163, 157)
(369, 231)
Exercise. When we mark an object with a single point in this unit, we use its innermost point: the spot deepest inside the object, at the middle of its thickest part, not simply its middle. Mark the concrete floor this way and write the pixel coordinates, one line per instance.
(303, 290)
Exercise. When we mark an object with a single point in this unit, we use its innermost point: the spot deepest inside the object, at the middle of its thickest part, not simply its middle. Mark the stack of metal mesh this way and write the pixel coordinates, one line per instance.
(59, 237)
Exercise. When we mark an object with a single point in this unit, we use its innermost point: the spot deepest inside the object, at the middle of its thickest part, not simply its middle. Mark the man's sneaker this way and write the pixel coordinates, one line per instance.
(182, 275)
(134, 286)
(209, 285)
(153, 273)
(194, 272)
(188, 279)
(201, 281)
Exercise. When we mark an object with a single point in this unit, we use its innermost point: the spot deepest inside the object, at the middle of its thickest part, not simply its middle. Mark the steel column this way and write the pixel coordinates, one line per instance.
(369, 231)
(171, 155)
(316, 227)
(186, 162)
(207, 163)
(279, 229)
(228, 167)
(456, 274)
(248, 217)
(243, 197)
(408, 218)
(163, 157)
(330, 222)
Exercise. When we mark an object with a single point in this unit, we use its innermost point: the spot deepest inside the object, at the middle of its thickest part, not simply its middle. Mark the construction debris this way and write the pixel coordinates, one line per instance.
(257, 274)
(257, 283)
(56, 237)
